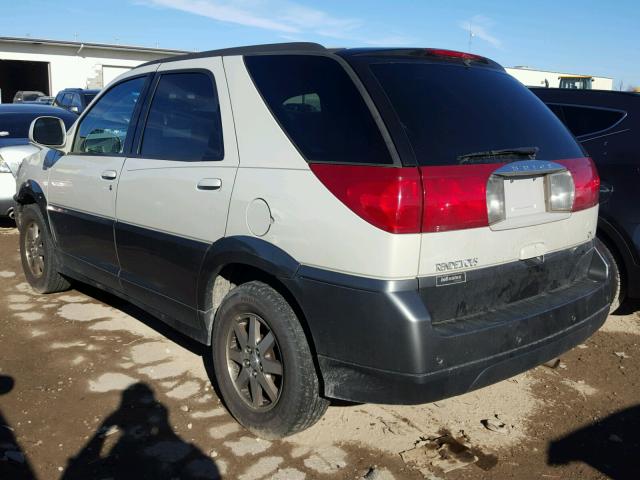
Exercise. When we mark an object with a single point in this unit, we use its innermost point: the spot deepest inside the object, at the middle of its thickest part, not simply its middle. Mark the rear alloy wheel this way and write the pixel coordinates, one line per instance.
(263, 364)
(37, 253)
(254, 362)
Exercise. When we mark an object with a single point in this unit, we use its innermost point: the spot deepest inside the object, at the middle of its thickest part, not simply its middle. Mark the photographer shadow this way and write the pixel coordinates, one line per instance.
(137, 442)
(610, 445)
(13, 462)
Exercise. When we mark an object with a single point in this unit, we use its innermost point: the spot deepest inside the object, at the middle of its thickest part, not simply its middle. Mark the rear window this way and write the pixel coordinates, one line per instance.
(319, 108)
(450, 112)
(586, 120)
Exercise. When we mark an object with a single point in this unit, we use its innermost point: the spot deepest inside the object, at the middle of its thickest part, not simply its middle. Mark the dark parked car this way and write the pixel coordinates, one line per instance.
(607, 124)
(75, 99)
(15, 121)
(27, 96)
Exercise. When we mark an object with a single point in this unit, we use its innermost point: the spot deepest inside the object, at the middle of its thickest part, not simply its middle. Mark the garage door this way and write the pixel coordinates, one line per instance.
(110, 72)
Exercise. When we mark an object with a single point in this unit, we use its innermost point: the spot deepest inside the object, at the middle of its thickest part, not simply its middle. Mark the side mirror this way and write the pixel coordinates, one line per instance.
(74, 109)
(48, 131)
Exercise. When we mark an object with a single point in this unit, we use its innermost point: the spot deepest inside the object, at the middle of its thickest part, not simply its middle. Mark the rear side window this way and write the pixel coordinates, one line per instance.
(452, 112)
(184, 121)
(319, 108)
(585, 120)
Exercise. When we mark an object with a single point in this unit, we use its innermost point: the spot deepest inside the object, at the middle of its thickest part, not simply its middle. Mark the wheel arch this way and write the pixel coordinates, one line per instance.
(31, 192)
(236, 260)
(622, 249)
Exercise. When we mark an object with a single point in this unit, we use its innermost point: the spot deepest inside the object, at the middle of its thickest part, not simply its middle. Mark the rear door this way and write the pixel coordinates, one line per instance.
(485, 146)
(174, 192)
(82, 183)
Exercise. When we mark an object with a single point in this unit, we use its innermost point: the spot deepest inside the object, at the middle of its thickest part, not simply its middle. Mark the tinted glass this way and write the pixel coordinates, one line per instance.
(449, 111)
(66, 99)
(105, 128)
(75, 101)
(319, 108)
(184, 120)
(88, 98)
(584, 120)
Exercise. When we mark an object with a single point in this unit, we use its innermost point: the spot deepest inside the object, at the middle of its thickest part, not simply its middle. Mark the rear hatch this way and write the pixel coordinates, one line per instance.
(509, 205)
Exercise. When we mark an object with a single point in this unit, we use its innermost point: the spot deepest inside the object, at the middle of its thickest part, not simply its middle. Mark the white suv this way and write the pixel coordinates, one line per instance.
(372, 225)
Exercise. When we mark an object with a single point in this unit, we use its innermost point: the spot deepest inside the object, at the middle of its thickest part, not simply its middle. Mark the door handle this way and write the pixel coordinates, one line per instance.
(209, 184)
(109, 175)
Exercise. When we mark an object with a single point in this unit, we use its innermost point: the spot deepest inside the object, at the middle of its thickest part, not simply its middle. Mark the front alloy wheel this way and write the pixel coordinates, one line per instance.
(34, 249)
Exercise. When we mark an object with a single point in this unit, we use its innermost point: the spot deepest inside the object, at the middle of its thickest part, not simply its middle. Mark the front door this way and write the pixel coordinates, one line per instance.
(82, 183)
(174, 191)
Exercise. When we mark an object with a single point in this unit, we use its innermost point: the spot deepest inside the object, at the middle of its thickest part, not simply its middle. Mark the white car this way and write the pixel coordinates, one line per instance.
(372, 225)
(10, 159)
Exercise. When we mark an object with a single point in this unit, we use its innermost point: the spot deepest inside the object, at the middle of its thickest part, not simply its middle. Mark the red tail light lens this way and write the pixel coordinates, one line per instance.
(455, 197)
(586, 180)
(387, 197)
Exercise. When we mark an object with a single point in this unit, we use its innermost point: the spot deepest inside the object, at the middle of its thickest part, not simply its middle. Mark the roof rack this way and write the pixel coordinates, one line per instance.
(248, 50)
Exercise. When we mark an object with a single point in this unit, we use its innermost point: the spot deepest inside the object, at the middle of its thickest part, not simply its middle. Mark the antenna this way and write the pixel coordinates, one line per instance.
(471, 35)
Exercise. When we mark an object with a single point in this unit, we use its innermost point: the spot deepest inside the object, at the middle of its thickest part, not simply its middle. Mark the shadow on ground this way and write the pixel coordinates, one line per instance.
(137, 442)
(610, 445)
(13, 463)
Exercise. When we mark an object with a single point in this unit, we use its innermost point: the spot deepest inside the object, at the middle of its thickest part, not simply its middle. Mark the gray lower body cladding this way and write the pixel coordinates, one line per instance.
(411, 341)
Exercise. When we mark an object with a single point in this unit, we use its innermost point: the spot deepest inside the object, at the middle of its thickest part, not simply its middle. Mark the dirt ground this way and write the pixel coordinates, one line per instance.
(93, 388)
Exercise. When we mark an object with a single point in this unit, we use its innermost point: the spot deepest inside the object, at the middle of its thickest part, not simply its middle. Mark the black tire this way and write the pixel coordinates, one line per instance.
(618, 290)
(295, 404)
(39, 259)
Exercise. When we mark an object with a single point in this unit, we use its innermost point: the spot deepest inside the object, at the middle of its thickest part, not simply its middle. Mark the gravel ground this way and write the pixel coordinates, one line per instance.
(91, 387)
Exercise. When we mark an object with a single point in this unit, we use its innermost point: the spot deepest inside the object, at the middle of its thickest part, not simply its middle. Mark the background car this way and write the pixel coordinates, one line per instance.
(75, 99)
(607, 124)
(44, 100)
(14, 144)
(27, 96)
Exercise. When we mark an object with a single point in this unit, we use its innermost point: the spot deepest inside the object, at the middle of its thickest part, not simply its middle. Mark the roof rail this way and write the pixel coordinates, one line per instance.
(248, 50)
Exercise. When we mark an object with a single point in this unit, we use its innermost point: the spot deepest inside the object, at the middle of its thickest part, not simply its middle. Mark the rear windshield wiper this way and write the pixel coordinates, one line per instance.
(526, 153)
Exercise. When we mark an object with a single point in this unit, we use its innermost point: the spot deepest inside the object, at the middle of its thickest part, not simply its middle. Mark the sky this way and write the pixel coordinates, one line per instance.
(586, 36)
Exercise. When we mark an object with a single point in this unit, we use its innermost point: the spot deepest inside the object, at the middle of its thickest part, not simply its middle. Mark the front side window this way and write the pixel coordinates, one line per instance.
(319, 107)
(104, 130)
(184, 122)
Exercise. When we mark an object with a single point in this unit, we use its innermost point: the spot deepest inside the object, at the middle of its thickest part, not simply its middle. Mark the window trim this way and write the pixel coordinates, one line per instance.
(364, 93)
(592, 107)
(141, 125)
(135, 116)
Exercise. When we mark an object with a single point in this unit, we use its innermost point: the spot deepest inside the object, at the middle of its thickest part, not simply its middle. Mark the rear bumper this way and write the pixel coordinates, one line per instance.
(377, 341)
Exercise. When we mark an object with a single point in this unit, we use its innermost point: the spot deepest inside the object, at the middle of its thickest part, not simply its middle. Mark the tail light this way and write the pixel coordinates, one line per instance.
(389, 198)
(444, 198)
(455, 197)
(454, 54)
(586, 180)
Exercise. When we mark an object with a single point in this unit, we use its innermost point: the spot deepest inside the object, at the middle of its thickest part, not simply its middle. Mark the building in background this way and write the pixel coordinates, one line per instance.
(49, 66)
(543, 78)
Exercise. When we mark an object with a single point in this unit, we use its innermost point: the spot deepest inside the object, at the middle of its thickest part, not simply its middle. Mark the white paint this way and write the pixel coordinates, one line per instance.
(108, 382)
(184, 390)
(221, 431)
(247, 446)
(262, 468)
(536, 78)
(73, 66)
